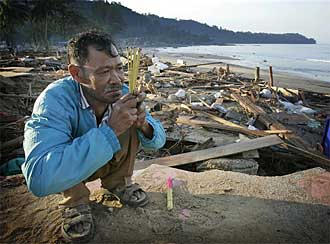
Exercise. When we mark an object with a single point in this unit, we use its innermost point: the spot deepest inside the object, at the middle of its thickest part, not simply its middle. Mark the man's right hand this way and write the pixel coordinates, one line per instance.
(124, 114)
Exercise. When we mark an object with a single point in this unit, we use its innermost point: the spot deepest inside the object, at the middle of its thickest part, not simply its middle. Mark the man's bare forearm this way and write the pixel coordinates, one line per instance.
(147, 130)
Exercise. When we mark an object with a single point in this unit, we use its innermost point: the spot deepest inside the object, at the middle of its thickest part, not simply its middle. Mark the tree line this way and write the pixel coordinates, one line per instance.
(40, 23)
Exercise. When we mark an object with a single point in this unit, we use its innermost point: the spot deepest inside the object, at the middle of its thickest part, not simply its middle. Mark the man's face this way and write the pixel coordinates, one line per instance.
(104, 76)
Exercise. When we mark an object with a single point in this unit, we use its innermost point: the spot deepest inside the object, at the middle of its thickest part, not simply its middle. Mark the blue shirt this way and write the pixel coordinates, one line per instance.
(63, 144)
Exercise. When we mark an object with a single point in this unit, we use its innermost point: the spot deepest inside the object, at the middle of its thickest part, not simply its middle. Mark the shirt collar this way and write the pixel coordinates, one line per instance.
(85, 105)
(83, 100)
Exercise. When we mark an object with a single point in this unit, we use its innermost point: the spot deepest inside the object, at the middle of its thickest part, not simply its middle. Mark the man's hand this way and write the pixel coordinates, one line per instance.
(141, 122)
(141, 115)
(124, 114)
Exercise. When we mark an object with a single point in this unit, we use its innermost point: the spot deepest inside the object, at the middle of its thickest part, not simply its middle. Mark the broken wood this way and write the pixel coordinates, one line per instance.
(216, 152)
(17, 95)
(215, 87)
(201, 100)
(187, 120)
(257, 75)
(192, 66)
(12, 144)
(271, 80)
(318, 159)
(269, 122)
(248, 154)
(11, 74)
(227, 69)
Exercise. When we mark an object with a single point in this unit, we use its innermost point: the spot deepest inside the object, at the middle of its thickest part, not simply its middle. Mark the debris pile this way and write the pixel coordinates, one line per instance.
(213, 119)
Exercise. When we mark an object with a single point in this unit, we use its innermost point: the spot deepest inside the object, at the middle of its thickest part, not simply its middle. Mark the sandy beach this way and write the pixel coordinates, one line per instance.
(281, 79)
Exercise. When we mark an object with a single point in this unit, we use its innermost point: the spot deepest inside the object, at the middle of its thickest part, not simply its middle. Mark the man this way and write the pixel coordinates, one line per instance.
(86, 127)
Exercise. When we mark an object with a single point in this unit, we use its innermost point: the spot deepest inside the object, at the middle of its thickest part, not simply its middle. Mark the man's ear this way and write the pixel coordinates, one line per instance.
(73, 70)
(76, 73)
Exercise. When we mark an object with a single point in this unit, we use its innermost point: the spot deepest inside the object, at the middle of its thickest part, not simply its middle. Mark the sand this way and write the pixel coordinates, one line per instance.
(210, 207)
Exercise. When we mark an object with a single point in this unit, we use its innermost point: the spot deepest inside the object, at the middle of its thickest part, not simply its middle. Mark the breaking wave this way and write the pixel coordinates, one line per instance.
(318, 60)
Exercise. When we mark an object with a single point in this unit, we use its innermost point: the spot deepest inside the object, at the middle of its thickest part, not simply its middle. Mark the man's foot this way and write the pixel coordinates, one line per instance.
(132, 195)
(78, 225)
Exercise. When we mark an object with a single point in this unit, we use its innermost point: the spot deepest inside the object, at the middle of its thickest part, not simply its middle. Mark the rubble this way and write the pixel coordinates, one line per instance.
(224, 127)
(193, 105)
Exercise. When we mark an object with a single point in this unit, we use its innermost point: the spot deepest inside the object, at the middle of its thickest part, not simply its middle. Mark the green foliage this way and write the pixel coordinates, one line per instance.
(12, 15)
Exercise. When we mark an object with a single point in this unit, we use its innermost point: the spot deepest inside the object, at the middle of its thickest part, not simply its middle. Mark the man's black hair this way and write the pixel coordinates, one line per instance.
(78, 46)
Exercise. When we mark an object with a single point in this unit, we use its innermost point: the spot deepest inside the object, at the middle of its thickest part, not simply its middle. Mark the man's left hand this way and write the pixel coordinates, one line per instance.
(141, 116)
(141, 122)
(141, 110)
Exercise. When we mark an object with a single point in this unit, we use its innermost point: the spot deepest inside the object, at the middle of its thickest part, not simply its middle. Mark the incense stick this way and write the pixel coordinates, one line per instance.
(133, 67)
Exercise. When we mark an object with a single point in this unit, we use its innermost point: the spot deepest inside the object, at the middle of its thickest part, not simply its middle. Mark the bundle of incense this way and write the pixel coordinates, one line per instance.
(169, 184)
(133, 67)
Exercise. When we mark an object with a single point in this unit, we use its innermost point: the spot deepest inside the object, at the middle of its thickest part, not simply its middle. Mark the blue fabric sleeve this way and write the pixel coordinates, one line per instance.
(54, 161)
(159, 137)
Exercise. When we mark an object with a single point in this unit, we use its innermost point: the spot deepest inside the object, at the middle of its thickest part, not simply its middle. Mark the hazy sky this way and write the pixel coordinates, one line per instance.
(308, 17)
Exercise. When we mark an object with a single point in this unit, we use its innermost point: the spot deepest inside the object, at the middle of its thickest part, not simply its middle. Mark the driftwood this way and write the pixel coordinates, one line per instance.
(269, 122)
(216, 152)
(228, 127)
(18, 95)
(215, 87)
(192, 66)
(12, 144)
(271, 79)
(319, 160)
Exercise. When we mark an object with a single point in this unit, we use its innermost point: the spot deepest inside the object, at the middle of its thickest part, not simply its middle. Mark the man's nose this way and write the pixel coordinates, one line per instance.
(114, 78)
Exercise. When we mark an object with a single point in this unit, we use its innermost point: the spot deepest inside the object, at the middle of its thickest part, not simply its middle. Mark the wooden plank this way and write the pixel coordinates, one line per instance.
(187, 120)
(17, 69)
(216, 152)
(232, 125)
(11, 74)
(248, 154)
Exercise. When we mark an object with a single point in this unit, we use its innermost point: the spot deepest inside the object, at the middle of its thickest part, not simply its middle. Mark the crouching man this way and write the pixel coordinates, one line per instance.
(86, 127)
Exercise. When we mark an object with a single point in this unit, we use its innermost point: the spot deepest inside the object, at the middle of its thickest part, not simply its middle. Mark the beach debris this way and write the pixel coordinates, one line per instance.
(216, 152)
(157, 66)
(246, 166)
(218, 107)
(296, 108)
(266, 93)
(233, 115)
(194, 105)
(180, 93)
(181, 62)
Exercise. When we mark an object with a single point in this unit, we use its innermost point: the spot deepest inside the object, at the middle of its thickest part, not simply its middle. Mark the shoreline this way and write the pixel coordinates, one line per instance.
(281, 79)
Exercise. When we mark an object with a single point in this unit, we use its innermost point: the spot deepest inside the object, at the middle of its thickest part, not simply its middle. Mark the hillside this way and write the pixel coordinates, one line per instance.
(42, 23)
(151, 29)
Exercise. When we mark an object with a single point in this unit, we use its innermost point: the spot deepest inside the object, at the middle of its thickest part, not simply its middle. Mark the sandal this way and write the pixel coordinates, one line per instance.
(132, 195)
(78, 225)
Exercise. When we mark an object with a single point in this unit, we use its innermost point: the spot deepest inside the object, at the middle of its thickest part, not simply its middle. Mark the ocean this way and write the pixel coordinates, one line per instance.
(306, 60)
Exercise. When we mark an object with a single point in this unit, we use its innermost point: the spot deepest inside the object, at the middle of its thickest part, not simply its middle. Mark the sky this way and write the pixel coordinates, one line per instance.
(308, 17)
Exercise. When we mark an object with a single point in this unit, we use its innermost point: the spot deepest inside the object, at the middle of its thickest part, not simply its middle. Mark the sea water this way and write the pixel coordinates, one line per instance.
(306, 60)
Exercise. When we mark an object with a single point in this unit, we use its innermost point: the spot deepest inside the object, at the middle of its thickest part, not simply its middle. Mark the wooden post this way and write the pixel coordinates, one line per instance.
(271, 81)
(227, 69)
(257, 75)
